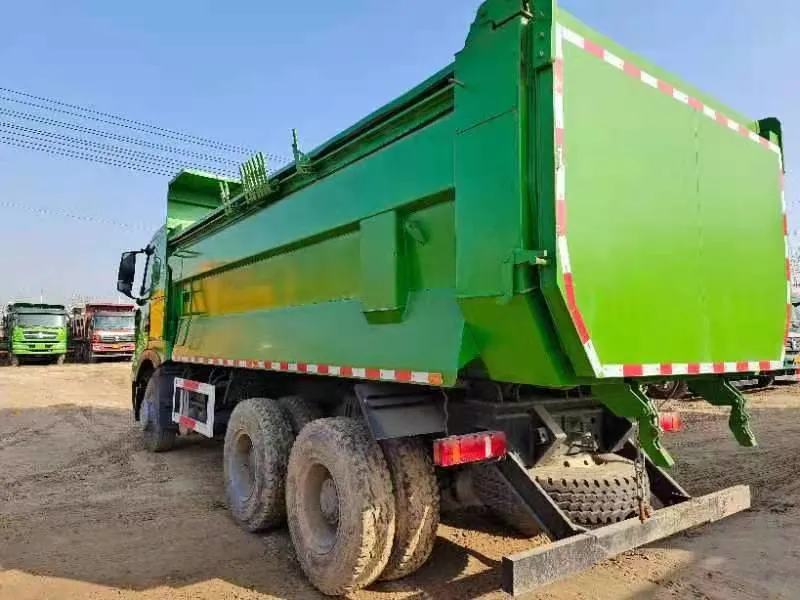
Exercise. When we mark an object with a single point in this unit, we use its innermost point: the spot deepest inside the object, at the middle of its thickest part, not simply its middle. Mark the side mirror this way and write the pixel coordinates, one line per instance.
(126, 273)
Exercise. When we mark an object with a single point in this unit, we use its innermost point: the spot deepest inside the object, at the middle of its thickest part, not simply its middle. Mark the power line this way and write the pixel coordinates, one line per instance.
(86, 218)
(118, 121)
(115, 152)
(115, 136)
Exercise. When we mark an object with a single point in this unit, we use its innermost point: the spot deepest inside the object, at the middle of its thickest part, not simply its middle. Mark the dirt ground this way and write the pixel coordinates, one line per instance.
(85, 512)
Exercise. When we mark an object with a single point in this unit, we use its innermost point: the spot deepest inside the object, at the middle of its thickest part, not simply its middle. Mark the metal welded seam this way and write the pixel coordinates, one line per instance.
(631, 69)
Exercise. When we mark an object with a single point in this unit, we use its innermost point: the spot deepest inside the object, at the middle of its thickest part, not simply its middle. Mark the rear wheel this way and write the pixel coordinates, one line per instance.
(299, 411)
(416, 495)
(765, 381)
(341, 509)
(258, 440)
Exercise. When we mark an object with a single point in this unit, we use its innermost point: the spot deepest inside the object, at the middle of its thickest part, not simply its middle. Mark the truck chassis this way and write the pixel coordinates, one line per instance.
(524, 454)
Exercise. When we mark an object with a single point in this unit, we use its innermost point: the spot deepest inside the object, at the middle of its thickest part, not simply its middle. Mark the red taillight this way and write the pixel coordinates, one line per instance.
(473, 447)
(670, 421)
(95, 338)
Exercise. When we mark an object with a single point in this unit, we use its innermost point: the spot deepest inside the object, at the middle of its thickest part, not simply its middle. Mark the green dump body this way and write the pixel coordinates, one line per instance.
(513, 217)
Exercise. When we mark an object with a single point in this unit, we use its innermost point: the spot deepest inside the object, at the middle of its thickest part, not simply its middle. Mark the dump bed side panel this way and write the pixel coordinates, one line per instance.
(661, 202)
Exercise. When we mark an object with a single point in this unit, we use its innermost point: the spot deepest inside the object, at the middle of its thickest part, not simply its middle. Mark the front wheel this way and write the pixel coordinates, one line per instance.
(158, 435)
(60, 359)
(340, 506)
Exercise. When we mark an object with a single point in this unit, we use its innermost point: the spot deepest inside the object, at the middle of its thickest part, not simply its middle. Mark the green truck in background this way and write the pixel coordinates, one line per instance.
(460, 298)
(32, 331)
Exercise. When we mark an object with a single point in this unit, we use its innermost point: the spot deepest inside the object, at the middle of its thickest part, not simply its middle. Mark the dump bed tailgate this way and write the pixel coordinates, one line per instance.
(670, 222)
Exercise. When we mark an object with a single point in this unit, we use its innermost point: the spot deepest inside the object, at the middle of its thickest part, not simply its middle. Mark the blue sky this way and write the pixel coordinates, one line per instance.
(246, 72)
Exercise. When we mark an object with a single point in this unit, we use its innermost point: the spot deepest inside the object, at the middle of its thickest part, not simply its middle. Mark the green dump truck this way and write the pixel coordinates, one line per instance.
(34, 331)
(460, 297)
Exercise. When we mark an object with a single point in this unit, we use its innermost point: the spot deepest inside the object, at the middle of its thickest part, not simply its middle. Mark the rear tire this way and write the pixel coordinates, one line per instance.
(764, 381)
(341, 509)
(416, 495)
(258, 440)
(299, 411)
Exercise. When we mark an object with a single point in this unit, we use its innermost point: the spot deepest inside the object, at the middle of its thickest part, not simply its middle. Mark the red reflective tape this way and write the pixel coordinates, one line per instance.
(593, 48)
(631, 69)
(403, 376)
(575, 313)
(744, 131)
(561, 216)
(284, 366)
(742, 366)
(190, 385)
(719, 367)
(187, 422)
(693, 368)
(785, 224)
(788, 269)
(632, 370)
(302, 368)
(346, 371)
(665, 87)
(788, 321)
(763, 365)
(372, 373)
(721, 119)
(764, 142)
(559, 137)
(558, 75)
(323, 369)
(695, 103)
(665, 369)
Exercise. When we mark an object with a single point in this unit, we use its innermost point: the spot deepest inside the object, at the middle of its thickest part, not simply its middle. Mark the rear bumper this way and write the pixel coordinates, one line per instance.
(526, 571)
(120, 349)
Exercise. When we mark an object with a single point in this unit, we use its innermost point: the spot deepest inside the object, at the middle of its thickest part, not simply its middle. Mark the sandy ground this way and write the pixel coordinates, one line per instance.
(85, 512)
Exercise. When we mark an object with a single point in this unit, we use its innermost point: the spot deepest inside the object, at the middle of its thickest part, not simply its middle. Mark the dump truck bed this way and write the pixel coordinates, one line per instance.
(514, 226)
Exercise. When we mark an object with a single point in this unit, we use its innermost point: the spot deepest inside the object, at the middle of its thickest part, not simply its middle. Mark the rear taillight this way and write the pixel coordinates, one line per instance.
(670, 421)
(470, 448)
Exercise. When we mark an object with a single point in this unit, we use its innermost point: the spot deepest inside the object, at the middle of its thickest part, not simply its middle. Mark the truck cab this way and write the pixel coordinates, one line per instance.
(102, 331)
(35, 331)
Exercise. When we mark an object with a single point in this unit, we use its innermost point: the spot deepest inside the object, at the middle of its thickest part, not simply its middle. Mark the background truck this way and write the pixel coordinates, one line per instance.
(100, 330)
(34, 331)
(455, 296)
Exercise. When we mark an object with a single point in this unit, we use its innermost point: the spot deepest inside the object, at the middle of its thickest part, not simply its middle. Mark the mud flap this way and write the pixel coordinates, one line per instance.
(526, 571)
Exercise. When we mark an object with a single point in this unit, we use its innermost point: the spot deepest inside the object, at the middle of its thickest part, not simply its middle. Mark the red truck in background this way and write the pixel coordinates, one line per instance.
(102, 331)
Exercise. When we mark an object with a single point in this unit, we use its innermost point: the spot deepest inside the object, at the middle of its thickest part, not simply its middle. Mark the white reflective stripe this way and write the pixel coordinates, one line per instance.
(709, 112)
(730, 367)
(613, 59)
(487, 446)
(573, 38)
(419, 377)
(733, 125)
(594, 358)
(680, 96)
(648, 79)
(612, 370)
(388, 374)
(680, 368)
(651, 369)
(563, 253)
(359, 372)
(706, 367)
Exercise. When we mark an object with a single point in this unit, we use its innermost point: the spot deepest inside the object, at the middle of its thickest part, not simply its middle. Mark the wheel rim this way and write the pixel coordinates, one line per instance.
(321, 508)
(243, 463)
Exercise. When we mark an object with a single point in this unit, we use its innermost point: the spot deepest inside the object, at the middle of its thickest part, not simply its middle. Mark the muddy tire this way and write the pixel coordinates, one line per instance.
(258, 440)
(341, 509)
(299, 411)
(594, 495)
(416, 495)
(158, 432)
(764, 381)
(502, 500)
